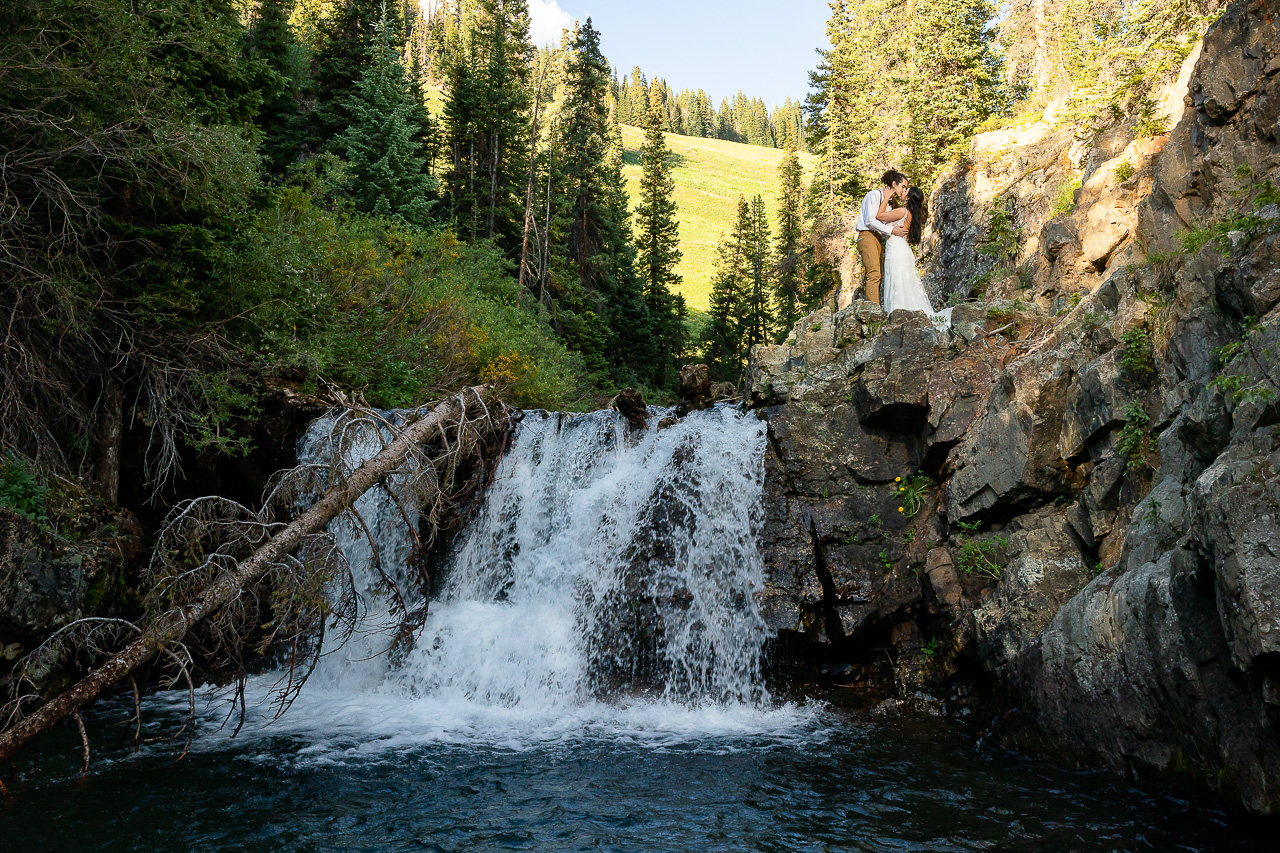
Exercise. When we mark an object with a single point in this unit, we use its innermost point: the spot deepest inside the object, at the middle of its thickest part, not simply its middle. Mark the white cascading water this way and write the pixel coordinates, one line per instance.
(606, 587)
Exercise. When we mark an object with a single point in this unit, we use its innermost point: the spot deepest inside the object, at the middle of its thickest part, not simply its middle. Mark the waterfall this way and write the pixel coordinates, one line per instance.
(607, 584)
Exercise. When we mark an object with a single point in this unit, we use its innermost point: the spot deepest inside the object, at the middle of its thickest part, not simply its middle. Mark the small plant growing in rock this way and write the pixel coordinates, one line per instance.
(816, 327)
(1152, 515)
(1150, 122)
(1000, 315)
(1137, 357)
(1239, 388)
(875, 521)
(930, 649)
(1002, 232)
(983, 556)
(909, 536)
(1135, 440)
(1066, 200)
(1125, 171)
(886, 561)
(1091, 322)
(913, 493)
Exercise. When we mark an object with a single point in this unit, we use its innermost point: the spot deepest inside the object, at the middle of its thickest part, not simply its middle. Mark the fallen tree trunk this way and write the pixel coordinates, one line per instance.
(171, 626)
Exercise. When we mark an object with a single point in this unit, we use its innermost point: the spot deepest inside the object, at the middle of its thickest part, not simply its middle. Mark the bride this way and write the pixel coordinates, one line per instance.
(902, 287)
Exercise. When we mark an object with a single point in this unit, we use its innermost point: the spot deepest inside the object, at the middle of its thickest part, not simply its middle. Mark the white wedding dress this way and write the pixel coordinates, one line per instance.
(902, 287)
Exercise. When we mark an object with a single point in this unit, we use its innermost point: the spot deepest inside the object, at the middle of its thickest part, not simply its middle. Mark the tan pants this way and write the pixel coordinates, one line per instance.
(871, 250)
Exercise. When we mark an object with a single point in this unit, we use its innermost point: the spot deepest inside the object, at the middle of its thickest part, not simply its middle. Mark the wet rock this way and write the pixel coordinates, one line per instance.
(695, 389)
(630, 404)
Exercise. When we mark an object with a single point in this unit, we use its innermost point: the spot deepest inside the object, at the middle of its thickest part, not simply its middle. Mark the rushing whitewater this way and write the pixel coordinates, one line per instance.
(606, 587)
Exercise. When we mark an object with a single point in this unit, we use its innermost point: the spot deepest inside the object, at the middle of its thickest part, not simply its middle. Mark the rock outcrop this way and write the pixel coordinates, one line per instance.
(1071, 497)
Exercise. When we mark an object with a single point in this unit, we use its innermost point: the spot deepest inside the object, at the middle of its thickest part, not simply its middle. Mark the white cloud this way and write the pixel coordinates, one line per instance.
(547, 19)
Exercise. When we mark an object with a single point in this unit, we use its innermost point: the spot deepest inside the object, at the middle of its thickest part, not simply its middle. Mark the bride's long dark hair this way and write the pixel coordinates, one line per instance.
(919, 214)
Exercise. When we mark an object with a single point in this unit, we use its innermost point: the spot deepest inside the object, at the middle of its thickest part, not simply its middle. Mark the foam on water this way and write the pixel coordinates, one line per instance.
(605, 590)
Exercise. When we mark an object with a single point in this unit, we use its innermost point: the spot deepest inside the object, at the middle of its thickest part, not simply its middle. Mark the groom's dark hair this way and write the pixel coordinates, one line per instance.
(891, 177)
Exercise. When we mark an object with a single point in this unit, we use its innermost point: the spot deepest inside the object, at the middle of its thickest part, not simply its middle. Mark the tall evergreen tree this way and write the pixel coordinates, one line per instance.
(721, 339)
(788, 283)
(957, 81)
(487, 113)
(383, 144)
(658, 241)
(594, 208)
(271, 40)
(343, 51)
(757, 313)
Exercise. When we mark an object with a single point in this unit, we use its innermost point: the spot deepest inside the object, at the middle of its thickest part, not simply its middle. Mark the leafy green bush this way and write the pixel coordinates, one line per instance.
(1137, 357)
(401, 314)
(1125, 171)
(20, 490)
(1135, 441)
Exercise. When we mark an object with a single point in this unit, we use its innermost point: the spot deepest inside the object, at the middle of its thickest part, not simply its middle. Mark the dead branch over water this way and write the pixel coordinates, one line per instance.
(213, 556)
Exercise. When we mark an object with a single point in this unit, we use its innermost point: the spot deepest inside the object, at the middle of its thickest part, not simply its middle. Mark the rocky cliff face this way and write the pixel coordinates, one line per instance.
(1072, 495)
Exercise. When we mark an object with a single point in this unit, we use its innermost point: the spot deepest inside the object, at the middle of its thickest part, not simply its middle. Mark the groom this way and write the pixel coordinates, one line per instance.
(872, 232)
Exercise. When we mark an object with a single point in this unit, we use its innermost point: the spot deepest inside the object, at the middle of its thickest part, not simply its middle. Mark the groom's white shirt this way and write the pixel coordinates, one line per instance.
(867, 215)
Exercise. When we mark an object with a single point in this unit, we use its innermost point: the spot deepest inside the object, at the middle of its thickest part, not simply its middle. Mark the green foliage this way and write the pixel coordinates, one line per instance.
(1002, 232)
(886, 562)
(956, 82)
(658, 241)
(740, 315)
(1251, 345)
(1247, 222)
(1065, 201)
(1125, 171)
(1135, 441)
(384, 140)
(1137, 357)
(20, 489)
(983, 556)
(914, 493)
(930, 649)
(788, 286)
(398, 313)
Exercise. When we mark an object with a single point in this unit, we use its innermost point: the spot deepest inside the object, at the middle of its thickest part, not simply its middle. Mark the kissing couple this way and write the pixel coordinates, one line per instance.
(888, 225)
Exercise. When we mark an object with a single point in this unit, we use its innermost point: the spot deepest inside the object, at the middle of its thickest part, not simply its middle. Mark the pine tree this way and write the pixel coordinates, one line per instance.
(658, 241)
(757, 315)
(721, 339)
(606, 292)
(271, 40)
(957, 80)
(383, 144)
(343, 51)
(789, 283)
(487, 113)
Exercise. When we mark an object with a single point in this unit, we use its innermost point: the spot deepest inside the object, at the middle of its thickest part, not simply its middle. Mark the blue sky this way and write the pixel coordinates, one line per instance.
(766, 49)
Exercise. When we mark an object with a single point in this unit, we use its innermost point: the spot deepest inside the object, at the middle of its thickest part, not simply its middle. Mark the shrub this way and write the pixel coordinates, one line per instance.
(20, 490)
(1135, 441)
(1125, 171)
(1137, 357)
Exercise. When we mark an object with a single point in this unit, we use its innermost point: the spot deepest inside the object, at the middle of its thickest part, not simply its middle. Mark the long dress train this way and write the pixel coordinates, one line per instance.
(902, 286)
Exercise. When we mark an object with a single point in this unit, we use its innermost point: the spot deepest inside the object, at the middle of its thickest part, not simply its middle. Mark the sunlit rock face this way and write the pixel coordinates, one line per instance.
(1098, 536)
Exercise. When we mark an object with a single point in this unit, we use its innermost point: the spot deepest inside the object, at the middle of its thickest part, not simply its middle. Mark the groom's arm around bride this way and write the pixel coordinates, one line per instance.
(872, 232)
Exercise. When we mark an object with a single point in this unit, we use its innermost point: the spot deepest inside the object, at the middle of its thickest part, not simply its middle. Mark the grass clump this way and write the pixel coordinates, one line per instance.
(914, 493)
(1065, 201)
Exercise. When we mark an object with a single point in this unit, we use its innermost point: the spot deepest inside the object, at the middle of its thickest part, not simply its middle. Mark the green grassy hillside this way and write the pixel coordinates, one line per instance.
(710, 174)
